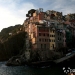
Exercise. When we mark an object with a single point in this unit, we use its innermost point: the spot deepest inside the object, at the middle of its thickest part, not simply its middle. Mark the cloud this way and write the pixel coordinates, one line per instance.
(14, 11)
(45, 1)
(64, 6)
(12, 14)
(8, 19)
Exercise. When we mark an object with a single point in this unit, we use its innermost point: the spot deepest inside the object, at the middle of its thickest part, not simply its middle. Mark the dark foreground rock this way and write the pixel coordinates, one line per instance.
(37, 59)
(16, 61)
(19, 61)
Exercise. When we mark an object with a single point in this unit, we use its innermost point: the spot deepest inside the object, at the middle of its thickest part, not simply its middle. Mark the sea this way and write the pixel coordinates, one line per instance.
(32, 70)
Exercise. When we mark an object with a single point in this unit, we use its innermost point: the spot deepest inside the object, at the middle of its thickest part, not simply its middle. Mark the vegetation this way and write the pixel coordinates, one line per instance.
(4, 34)
(11, 45)
(30, 12)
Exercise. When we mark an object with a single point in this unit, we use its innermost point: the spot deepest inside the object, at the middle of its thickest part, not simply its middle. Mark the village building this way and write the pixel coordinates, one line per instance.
(45, 30)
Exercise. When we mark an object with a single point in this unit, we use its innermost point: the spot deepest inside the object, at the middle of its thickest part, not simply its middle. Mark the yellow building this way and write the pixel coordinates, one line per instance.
(52, 39)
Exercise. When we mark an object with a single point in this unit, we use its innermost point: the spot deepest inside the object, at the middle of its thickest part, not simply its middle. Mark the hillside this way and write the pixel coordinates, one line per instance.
(11, 45)
(5, 32)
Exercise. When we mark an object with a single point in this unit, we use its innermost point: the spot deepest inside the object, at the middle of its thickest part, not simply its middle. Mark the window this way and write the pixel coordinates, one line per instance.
(44, 45)
(60, 34)
(40, 40)
(53, 46)
(49, 40)
(45, 40)
(52, 35)
(52, 40)
(58, 38)
(47, 34)
(44, 34)
(39, 34)
(44, 29)
(41, 45)
(39, 29)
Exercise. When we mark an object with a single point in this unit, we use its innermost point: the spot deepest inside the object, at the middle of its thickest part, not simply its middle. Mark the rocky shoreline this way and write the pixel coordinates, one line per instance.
(20, 61)
(17, 61)
(36, 59)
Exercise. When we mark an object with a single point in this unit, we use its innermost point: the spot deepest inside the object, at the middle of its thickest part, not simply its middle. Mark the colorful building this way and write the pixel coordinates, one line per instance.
(47, 30)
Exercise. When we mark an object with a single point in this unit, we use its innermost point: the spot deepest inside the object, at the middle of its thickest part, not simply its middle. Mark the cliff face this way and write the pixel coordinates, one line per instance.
(11, 45)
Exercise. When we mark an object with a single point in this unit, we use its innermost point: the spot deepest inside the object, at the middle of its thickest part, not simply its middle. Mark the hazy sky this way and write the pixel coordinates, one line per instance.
(13, 12)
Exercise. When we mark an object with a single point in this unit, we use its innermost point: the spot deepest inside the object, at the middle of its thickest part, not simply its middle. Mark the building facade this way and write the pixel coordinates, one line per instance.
(47, 30)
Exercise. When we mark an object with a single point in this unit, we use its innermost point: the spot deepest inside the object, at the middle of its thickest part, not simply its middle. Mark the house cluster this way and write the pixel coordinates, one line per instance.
(48, 30)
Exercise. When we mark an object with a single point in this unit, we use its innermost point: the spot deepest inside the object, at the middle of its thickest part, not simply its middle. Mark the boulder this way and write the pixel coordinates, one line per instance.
(16, 61)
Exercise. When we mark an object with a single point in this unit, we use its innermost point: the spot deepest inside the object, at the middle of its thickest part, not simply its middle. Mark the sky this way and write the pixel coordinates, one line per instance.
(14, 12)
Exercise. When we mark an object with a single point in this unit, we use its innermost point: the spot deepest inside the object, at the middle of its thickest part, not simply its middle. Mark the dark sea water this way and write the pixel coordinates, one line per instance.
(26, 70)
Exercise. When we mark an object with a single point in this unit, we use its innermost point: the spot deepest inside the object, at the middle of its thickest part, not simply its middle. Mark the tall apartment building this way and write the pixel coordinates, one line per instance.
(43, 30)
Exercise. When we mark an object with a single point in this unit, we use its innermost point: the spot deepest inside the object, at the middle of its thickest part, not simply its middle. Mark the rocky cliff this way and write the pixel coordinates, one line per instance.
(11, 45)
